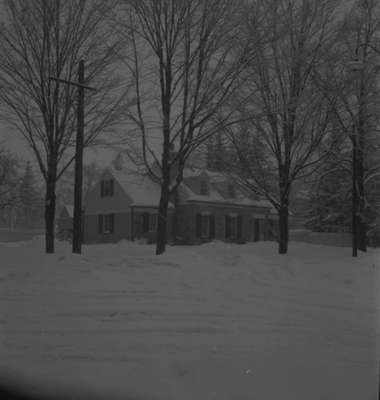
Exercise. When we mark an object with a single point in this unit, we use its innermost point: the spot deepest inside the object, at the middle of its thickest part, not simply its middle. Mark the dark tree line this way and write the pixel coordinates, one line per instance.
(21, 203)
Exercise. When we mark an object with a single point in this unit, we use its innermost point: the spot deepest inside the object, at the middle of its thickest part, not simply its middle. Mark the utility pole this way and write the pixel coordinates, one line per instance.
(354, 197)
(77, 218)
(356, 66)
(77, 222)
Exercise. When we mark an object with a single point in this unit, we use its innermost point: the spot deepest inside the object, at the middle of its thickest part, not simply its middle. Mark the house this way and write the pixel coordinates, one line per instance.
(122, 205)
(207, 205)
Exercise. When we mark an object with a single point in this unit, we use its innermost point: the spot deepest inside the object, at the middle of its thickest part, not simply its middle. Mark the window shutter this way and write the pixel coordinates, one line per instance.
(228, 226)
(174, 226)
(256, 230)
(100, 223)
(212, 226)
(239, 228)
(111, 187)
(112, 222)
(198, 223)
(145, 222)
(102, 188)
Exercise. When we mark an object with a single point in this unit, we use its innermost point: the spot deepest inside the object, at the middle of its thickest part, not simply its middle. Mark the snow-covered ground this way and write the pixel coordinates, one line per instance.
(216, 321)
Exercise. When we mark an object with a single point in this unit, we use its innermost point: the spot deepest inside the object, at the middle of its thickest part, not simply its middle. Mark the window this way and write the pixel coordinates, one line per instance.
(149, 222)
(204, 188)
(145, 222)
(106, 188)
(233, 226)
(106, 223)
(256, 229)
(152, 222)
(205, 225)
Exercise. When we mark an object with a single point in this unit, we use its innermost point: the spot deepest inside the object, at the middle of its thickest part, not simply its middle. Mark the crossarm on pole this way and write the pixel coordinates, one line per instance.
(72, 83)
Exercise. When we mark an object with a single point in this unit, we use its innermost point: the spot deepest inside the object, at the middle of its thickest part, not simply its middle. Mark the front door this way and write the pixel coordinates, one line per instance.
(256, 230)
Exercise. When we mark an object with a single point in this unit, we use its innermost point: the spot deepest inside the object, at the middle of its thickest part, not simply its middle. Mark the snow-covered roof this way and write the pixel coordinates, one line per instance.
(216, 177)
(192, 172)
(214, 196)
(140, 188)
(146, 193)
(70, 210)
(212, 175)
(229, 201)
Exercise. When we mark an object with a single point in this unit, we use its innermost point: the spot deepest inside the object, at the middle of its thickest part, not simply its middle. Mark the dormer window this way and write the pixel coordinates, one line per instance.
(106, 188)
(204, 188)
(231, 191)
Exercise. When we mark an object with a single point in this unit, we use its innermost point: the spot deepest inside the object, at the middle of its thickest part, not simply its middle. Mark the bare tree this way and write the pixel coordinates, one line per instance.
(39, 39)
(286, 111)
(353, 83)
(187, 59)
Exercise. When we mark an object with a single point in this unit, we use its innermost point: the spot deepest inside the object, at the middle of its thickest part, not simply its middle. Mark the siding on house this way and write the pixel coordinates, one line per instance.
(187, 216)
(118, 203)
(141, 217)
(195, 182)
(121, 228)
(64, 228)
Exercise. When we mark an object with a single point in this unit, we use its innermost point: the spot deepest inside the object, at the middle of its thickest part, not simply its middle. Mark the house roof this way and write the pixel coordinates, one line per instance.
(216, 177)
(244, 202)
(146, 193)
(70, 210)
(140, 188)
(191, 172)
(215, 197)
(67, 209)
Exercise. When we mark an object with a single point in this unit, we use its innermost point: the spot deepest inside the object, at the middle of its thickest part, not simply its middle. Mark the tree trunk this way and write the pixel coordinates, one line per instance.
(161, 239)
(284, 207)
(361, 223)
(361, 229)
(78, 183)
(354, 217)
(175, 217)
(50, 214)
(283, 228)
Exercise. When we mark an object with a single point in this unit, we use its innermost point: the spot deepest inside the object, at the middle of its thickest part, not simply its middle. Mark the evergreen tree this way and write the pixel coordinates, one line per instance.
(9, 185)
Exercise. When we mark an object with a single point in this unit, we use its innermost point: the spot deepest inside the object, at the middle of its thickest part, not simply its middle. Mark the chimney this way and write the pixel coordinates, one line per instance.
(174, 168)
(172, 152)
(118, 162)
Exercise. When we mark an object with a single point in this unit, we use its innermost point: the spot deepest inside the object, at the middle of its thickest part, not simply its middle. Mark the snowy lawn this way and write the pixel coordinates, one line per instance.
(216, 321)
